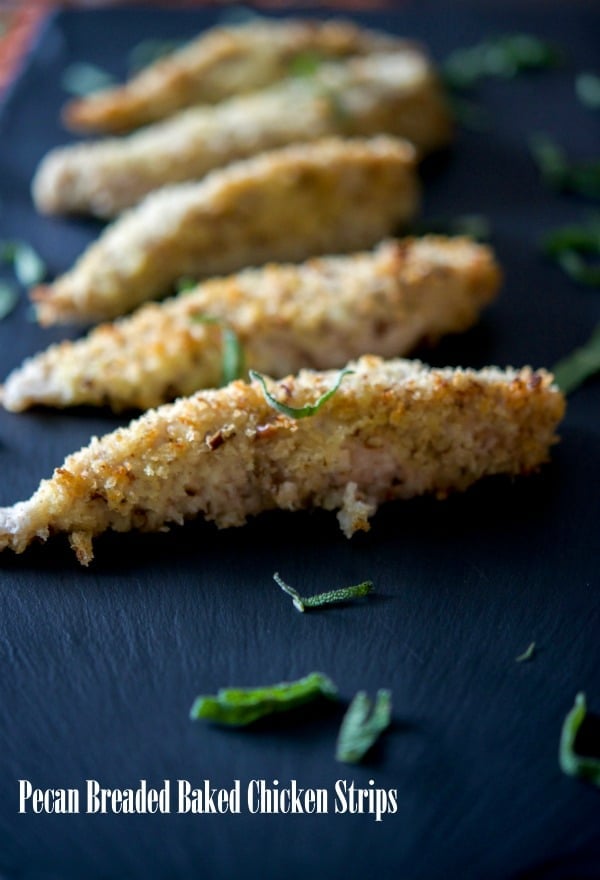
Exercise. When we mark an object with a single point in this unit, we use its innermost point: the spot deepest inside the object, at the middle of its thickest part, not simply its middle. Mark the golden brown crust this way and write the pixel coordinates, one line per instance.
(318, 314)
(393, 429)
(330, 196)
(380, 94)
(218, 64)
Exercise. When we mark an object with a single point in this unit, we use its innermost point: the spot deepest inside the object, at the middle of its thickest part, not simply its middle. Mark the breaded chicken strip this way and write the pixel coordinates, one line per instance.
(392, 429)
(393, 94)
(318, 314)
(222, 62)
(330, 196)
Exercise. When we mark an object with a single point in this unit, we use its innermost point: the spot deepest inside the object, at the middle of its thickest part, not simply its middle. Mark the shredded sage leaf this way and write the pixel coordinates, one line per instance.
(362, 724)
(560, 173)
(9, 297)
(305, 64)
(503, 56)
(236, 15)
(345, 594)
(233, 356)
(232, 353)
(572, 246)
(587, 89)
(28, 266)
(185, 283)
(149, 51)
(476, 226)
(237, 707)
(527, 654)
(572, 763)
(301, 412)
(81, 79)
(573, 370)
(469, 114)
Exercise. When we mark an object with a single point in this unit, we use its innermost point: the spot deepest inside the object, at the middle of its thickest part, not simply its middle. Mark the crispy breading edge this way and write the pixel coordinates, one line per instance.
(273, 461)
(401, 302)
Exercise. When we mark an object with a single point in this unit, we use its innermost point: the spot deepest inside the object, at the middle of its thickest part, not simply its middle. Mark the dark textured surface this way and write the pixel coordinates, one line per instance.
(100, 667)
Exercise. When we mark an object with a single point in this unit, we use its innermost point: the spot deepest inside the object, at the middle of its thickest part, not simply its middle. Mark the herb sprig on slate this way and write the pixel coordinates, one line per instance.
(562, 174)
(573, 370)
(82, 78)
(573, 246)
(527, 654)
(587, 89)
(345, 594)
(362, 725)
(237, 707)
(29, 269)
(571, 762)
(9, 297)
(503, 56)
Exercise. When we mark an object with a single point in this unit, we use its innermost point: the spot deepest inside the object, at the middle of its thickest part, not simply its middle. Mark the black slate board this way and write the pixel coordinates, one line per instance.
(100, 667)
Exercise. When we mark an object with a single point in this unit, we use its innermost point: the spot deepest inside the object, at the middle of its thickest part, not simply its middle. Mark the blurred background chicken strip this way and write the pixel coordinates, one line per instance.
(222, 62)
(330, 196)
(394, 94)
(318, 314)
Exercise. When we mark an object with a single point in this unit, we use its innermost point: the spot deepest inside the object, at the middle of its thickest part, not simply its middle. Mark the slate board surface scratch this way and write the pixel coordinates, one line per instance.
(100, 667)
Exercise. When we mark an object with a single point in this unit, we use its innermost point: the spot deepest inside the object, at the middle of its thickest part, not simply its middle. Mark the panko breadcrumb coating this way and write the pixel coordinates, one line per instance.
(222, 62)
(394, 94)
(330, 196)
(394, 429)
(318, 314)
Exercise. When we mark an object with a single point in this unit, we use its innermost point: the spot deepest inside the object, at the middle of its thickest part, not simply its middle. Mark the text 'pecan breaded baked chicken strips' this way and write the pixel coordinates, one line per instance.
(222, 62)
(330, 196)
(381, 94)
(318, 314)
(394, 429)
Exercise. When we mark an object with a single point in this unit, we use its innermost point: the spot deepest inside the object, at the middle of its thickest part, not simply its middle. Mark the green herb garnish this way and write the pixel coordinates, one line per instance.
(233, 356)
(240, 706)
(236, 15)
(572, 763)
(527, 654)
(81, 79)
(573, 370)
(587, 89)
(301, 412)
(476, 226)
(469, 114)
(503, 56)
(185, 283)
(571, 247)
(9, 298)
(149, 51)
(28, 266)
(560, 173)
(304, 64)
(232, 353)
(362, 724)
(345, 594)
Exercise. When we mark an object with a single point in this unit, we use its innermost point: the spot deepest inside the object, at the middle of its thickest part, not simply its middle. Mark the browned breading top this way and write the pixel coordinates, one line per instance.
(393, 429)
(320, 314)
